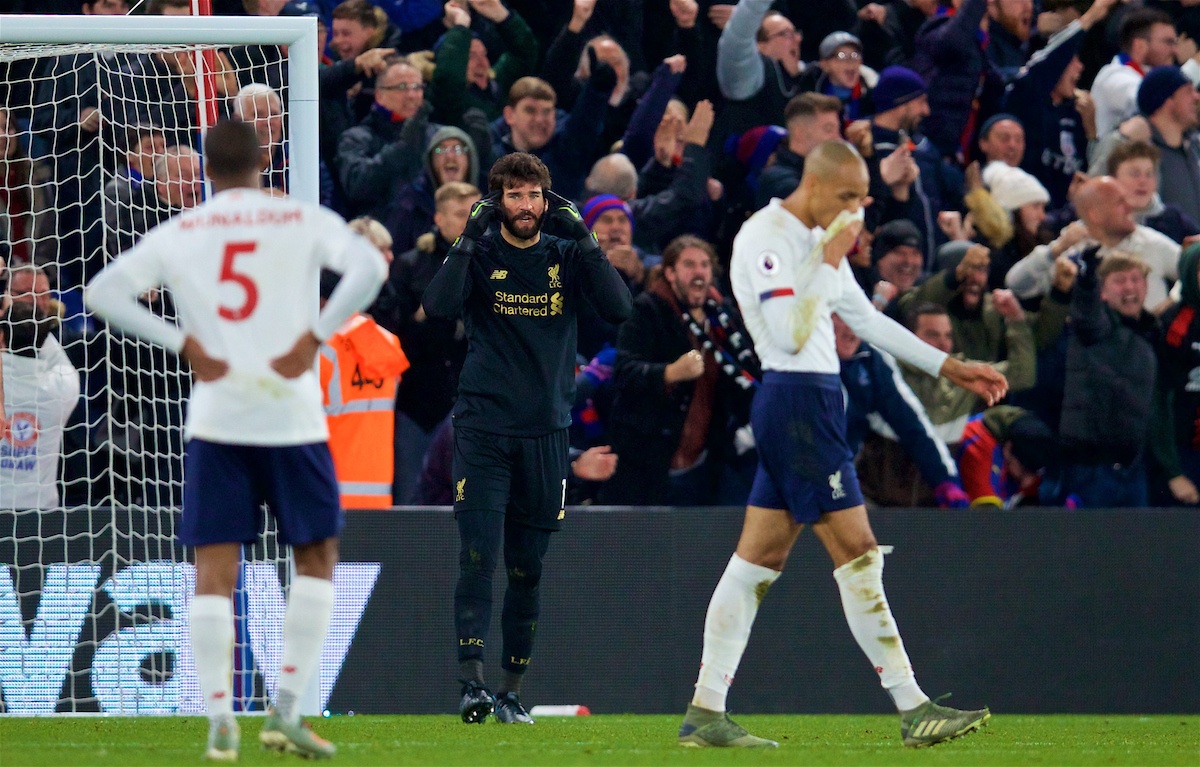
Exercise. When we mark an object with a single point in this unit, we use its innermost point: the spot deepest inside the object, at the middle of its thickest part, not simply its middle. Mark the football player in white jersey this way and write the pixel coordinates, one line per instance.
(243, 270)
(789, 275)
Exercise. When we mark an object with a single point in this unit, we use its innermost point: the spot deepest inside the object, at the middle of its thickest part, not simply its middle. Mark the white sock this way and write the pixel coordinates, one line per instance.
(210, 623)
(305, 623)
(731, 613)
(860, 582)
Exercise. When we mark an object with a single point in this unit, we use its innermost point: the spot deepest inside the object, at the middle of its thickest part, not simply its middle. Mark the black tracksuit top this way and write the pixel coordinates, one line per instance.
(519, 307)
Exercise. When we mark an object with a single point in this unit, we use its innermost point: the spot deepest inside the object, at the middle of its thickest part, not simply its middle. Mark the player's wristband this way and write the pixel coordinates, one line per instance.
(588, 244)
(463, 245)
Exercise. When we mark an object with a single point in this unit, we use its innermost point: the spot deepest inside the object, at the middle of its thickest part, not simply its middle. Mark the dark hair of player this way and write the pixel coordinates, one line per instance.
(231, 149)
(518, 168)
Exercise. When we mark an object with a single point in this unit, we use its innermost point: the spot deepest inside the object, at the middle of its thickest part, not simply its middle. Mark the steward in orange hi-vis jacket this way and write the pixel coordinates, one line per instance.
(360, 369)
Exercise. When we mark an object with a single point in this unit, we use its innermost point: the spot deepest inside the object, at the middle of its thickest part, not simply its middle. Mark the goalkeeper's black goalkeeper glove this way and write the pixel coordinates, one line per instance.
(482, 215)
(566, 215)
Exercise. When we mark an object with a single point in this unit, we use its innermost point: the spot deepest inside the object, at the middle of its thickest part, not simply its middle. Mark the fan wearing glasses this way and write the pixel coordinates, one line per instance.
(840, 73)
(450, 156)
(384, 152)
(779, 40)
(758, 68)
(400, 90)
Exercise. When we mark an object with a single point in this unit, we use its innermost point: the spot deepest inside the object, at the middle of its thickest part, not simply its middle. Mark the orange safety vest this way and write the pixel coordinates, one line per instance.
(360, 369)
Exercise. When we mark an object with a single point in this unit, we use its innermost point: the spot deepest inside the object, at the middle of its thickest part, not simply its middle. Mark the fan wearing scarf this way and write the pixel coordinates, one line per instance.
(685, 375)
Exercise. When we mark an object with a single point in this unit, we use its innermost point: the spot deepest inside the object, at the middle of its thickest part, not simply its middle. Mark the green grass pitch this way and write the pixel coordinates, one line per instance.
(813, 741)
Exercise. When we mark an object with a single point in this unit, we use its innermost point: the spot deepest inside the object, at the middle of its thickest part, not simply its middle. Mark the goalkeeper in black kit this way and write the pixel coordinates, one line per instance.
(518, 292)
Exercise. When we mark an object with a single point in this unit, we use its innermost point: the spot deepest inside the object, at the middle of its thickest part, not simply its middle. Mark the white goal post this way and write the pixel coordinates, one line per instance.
(299, 34)
(93, 598)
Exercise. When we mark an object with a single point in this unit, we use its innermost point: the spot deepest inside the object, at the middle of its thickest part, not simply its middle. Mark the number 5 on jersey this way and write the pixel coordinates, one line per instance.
(229, 274)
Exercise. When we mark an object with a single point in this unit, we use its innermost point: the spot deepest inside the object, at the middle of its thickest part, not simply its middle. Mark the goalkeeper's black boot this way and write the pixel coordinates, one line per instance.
(477, 702)
(510, 711)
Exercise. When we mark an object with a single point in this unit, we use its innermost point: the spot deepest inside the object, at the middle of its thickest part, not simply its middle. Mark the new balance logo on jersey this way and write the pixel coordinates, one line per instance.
(835, 485)
(500, 274)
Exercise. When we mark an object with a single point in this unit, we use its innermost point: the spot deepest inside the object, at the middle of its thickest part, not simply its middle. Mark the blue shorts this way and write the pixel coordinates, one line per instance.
(804, 463)
(225, 486)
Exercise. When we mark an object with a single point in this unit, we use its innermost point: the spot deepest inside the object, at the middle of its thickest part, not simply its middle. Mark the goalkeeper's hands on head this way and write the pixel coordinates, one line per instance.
(482, 214)
(564, 213)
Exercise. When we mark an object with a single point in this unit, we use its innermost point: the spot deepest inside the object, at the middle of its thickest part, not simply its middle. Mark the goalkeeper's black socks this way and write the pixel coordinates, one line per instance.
(471, 671)
(512, 682)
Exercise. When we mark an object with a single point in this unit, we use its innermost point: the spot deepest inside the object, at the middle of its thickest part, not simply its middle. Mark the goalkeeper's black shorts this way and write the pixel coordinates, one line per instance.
(522, 477)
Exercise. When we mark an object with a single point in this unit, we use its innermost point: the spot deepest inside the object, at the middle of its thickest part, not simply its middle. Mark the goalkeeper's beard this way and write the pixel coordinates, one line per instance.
(523, 228)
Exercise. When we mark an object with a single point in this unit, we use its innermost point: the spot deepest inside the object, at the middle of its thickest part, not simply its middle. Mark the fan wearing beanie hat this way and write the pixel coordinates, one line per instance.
(896, 87)
(920, 182)
(1159, 86)
(898, 253)
(753, 149)
(611, 219)
(1002, 137)
(595, 207)
(1016, 228)
(1171, 104)
(1013, 188)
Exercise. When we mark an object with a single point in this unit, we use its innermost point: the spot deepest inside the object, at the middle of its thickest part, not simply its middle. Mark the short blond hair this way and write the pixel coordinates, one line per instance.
(455, 191)
(375, 232)
(1121, 261)
(531, 88)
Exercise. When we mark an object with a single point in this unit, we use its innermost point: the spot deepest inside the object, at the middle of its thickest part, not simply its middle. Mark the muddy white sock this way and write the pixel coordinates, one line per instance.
(727, 626)
(860, 582)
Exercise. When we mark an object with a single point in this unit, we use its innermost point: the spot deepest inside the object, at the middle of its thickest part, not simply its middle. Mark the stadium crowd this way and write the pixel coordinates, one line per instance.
(1035, 176)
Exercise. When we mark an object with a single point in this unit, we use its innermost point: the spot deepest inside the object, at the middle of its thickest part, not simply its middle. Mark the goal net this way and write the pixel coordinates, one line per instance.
(101, 140)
